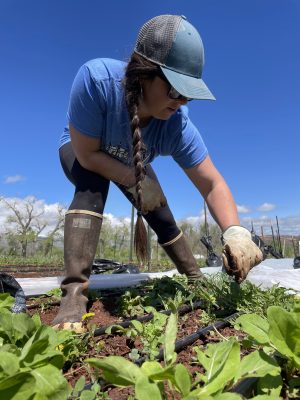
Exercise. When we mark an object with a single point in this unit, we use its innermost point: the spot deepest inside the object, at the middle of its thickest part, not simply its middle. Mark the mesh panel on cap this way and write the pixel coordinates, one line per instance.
(156, 37)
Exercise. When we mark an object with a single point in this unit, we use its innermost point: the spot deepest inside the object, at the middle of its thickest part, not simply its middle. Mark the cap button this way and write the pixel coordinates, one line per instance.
(183, 16)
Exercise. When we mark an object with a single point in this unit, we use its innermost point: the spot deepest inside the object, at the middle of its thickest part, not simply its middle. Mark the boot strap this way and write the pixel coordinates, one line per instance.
(173, 240)
(85, 212)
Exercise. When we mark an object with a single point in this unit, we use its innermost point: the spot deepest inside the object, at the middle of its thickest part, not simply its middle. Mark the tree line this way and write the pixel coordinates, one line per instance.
(27, 232)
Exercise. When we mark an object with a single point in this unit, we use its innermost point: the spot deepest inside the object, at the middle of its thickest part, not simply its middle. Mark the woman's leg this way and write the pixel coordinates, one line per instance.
(81, 235)
(170, 237)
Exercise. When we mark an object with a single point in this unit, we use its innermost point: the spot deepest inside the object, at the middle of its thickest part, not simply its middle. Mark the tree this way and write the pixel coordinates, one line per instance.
(24, 220)
(55, 233)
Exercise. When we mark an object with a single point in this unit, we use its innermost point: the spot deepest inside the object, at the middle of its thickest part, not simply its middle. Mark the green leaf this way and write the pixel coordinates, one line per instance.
(195, 395)
(137, 325)
(284, 333)
(227, 396)
(117, 370)
(170, 338)
(51, 383)
(79, 386)
(255, 326)
(39, 396)
(40, 349)
(87, 395)
(182, 379)
(266, 397)
(9, 364)
(36, 320)
(257, 364)
(145, 390)
(296, 312)
(6, 301)
(270, 385)
(222, 363)
(156, 372)
(151, 368)
(17, 387)
(16, 328)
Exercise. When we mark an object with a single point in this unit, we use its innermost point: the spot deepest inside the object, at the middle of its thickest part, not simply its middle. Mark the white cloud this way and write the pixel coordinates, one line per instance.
(115, 221)
(289, 225)
(266, 207)
(14, 179)
(243, 209)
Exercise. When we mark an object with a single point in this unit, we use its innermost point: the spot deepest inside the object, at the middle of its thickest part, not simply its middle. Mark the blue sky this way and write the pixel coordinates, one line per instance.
(252, 67)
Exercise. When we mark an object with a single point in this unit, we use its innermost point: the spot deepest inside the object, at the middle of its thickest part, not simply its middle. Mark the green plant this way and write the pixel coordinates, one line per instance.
(279, 337)
(80, 392)
(30, 362)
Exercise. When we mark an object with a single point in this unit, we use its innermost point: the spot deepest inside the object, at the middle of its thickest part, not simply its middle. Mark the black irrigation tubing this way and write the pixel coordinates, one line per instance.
(190, 339)
(186, 308)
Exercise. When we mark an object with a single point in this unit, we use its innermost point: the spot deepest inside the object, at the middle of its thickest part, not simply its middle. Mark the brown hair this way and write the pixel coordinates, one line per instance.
(137, 69)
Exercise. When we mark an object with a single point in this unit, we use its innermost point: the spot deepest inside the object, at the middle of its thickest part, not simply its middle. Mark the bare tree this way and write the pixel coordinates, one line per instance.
(55, 233)
(24, 220)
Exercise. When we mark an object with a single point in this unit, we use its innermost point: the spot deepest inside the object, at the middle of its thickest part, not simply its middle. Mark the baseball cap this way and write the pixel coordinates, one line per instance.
(176, 46)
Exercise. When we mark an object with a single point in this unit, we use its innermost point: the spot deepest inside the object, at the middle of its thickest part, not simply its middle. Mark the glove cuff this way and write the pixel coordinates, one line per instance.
(235, 230)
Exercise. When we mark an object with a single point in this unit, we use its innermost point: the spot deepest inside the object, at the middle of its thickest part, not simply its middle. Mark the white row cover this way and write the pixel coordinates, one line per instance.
(265, 275)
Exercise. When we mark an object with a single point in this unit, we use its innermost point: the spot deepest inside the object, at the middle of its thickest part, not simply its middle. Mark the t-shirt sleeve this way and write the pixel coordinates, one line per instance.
(86, 105)
(188, 147)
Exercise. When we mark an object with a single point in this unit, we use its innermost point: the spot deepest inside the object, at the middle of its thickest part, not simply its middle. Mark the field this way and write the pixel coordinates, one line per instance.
(165, 339)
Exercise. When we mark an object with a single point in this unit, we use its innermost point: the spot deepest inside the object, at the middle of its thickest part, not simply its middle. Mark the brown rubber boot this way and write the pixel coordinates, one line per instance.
(81, 235)
(180, 253)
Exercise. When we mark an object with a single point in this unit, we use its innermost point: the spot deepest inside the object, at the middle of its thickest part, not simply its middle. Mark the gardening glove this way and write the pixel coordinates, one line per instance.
(153, 196)
(240, 254)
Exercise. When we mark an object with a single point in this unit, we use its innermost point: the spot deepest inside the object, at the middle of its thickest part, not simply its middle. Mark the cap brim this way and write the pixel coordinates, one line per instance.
(188, 86)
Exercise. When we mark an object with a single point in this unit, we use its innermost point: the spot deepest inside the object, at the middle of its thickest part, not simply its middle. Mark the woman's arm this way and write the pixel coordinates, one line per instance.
(87, 152)
(216, 193)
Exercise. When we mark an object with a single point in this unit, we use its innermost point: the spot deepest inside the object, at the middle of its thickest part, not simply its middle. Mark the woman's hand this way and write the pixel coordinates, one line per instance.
(153, 196)
(240, 253)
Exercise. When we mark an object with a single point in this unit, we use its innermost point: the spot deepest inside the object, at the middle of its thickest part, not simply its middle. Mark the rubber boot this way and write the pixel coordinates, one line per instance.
(81, 235)
(180, 253)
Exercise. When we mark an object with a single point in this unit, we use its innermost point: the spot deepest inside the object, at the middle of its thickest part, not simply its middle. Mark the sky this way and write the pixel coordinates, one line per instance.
(252, 64)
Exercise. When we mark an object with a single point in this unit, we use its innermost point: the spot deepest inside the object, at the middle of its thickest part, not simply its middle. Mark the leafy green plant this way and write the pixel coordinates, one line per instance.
(30, 362)
(56, 293)
(279, 333)
(222, 362)
(150, 333)
(130, 304)
(80, 392)
(220, 292)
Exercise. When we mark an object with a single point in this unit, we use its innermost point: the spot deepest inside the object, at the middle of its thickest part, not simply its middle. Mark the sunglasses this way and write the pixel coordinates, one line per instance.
(172, 93)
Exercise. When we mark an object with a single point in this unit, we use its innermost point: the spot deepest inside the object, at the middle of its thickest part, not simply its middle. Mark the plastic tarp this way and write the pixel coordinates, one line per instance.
(265, 275)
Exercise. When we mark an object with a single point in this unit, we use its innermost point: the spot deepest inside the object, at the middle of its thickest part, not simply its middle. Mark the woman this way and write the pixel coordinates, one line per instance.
(121, 116)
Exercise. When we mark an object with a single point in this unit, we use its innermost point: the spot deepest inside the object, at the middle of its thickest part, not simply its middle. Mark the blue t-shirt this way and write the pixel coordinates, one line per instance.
(97, 108)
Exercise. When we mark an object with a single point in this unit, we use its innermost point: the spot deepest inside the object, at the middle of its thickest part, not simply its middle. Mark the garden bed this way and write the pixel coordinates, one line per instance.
(175, 312)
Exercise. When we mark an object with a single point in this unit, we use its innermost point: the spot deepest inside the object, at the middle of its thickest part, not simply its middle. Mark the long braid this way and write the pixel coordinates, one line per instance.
(138, 68)
(140, 234)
